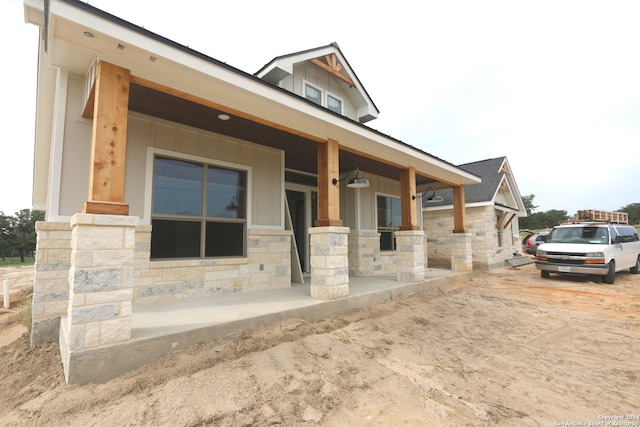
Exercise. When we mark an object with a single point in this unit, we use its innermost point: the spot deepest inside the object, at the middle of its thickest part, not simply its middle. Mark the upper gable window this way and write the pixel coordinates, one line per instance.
(313, 94)
(334, 103)
(325, 99)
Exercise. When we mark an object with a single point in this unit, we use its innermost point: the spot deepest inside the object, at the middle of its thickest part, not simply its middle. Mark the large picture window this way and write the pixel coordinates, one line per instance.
(199, 210)
(389, 221)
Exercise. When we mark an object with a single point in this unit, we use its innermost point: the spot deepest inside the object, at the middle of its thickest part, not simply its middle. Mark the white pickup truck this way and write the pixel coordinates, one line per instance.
(597, 249)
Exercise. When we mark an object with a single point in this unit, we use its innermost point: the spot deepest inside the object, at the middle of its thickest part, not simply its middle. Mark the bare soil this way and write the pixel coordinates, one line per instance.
(508, 349)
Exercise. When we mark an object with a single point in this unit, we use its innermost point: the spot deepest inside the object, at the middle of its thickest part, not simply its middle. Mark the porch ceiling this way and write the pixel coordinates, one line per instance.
(301, 153)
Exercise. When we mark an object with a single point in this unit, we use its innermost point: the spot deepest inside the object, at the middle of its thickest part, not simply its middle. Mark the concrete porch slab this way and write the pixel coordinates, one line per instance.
(161, 328)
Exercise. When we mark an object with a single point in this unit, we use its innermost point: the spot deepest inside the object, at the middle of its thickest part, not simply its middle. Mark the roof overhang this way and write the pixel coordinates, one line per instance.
(80, 34)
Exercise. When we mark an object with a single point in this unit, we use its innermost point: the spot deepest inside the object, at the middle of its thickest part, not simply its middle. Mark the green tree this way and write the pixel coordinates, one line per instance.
(22, 231)
(633, 210)
(542, 220)
(554, 217)
(532, 221)
(5, 244)
(528, 203)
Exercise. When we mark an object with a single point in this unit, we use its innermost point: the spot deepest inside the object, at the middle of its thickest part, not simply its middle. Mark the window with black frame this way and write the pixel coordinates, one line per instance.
(389, 221)
(199, 210)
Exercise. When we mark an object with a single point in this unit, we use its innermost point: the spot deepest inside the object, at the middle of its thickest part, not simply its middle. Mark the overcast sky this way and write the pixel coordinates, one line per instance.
(552, 85)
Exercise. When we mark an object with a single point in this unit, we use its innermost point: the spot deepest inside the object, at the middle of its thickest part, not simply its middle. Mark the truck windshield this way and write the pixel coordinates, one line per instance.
(592, 235)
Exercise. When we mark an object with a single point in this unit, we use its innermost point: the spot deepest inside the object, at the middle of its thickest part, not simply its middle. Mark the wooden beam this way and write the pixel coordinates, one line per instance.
(407, 204)
(332, 71)
(179, 94)
(502, 217)
(328, 193)
(192, 98)
(87, 113)
(109, 141)
(332, 60)
(396, 165)
(459, 215)
(506, 224)
(106, 208)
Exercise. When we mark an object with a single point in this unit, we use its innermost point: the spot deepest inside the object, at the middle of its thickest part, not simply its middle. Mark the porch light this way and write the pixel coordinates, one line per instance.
(430, 199)
(233, 204)
(356, 182)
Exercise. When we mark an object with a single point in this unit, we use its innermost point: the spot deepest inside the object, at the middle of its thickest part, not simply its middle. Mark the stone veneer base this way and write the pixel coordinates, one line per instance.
(329, 259)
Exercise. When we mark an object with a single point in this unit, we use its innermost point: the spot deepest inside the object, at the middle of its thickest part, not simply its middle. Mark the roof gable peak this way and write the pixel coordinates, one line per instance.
(333, 66)
(330, 59)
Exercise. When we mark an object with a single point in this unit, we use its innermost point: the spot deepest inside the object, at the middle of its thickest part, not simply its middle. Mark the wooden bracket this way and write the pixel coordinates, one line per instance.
(333, 67)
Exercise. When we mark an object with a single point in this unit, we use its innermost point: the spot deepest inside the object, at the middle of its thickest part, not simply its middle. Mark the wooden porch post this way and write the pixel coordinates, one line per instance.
(459, 225)
(407, 204)
(109, 141)
(328, 193)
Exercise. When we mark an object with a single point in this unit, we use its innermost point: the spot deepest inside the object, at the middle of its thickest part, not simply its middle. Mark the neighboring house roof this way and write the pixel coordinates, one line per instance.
(498, 187)
(331, 59)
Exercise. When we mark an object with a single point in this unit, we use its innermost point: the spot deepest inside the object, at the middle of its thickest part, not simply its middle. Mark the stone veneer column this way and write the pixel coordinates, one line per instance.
(461, 253)
(50, 280)
(100, 286)
(364, 253)
(329, 256)
(410, 252)
(425, 242)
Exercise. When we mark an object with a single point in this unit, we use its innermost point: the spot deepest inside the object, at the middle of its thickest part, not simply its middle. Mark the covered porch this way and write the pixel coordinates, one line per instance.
(178, 191)
(161, 328)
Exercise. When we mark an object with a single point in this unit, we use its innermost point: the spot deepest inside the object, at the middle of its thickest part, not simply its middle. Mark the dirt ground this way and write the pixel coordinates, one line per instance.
(507, 349)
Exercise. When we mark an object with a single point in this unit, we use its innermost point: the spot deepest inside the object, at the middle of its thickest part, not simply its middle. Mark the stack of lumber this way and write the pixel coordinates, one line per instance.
(594, 215)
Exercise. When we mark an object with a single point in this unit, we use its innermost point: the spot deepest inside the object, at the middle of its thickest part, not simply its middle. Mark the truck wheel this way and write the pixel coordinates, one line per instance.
(611, 275)
(636, 268)
(544, 274)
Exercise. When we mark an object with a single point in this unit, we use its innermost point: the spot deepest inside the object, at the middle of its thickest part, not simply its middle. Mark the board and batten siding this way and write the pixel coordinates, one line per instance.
(143, 132)
(322, 80)
(366, 197)
(76, 153)
(506, 199)
(266, 164)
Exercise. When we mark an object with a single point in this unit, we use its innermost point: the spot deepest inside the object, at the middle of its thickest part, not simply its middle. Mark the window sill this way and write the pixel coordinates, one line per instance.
(171, 263)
